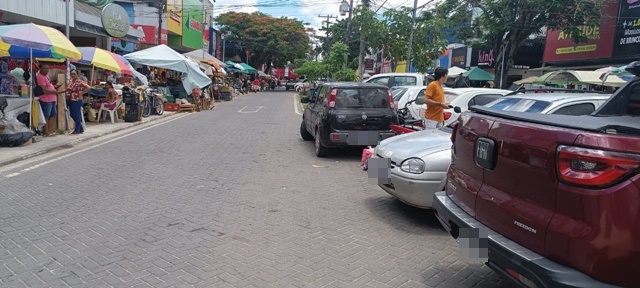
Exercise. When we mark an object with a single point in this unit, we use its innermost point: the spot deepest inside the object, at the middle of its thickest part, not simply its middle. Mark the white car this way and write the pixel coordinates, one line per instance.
(420, 160)
(398, 79)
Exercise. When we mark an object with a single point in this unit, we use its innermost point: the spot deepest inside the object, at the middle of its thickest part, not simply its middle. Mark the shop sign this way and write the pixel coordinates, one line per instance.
(559, 46)
(368, 64)
(192, 24)
(174, 15)
(459, 57)
(115, 20)
(150, 34)
(627, 41)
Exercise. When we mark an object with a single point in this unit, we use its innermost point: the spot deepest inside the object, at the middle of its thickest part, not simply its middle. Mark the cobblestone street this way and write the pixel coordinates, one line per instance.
(231, 197)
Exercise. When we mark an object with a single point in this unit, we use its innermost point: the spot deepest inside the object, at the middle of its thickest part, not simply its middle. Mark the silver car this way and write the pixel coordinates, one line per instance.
(420, 160)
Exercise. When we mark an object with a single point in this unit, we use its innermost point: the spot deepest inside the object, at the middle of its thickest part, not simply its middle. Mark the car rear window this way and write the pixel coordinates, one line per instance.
(519, 105)
(362, 98)
(397, 93)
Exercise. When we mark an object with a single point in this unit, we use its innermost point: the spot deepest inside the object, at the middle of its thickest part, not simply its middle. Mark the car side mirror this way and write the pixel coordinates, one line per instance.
(457, 110)
(305, 100)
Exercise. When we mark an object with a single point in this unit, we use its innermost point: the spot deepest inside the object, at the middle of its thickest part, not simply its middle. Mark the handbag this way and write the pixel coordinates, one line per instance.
(37, 91)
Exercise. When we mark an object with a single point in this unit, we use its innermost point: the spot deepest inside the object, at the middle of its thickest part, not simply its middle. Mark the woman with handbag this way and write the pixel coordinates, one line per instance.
(75, 89)
(48, 94)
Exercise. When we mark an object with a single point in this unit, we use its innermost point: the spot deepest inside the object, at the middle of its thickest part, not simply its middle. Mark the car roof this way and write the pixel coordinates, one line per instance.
(555, 97)
(353, 85)
(397, 74)
(467, 90)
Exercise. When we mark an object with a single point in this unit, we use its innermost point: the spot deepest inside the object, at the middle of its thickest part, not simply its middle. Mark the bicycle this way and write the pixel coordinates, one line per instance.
(151, 104)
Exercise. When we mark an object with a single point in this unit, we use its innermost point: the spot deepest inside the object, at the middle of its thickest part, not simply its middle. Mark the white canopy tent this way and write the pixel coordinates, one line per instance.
(164, 57)
(455, 71)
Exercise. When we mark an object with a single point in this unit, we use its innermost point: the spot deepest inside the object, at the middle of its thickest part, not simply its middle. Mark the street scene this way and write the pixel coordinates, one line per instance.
(373, 143)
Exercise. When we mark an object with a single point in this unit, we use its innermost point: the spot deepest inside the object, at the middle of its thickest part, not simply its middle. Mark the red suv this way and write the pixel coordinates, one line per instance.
(557, 196)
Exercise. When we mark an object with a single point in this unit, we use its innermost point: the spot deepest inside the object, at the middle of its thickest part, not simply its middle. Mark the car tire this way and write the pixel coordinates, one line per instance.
(306, 136)
(321, 151)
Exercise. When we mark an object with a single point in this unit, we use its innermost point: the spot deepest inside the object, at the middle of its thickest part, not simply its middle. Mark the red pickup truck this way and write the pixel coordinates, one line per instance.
(558, 196)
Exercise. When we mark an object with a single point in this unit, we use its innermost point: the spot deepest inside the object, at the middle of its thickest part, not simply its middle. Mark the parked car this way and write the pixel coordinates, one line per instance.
(557, 195)
(457, 97)
(398, 79)
(290, 85)
(342, 114)
(420, 160)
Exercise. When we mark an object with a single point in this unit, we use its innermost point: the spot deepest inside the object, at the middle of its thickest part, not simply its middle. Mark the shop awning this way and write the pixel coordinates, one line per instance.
(248, 68)
(88, 19)
(197, 54)
(477, 74)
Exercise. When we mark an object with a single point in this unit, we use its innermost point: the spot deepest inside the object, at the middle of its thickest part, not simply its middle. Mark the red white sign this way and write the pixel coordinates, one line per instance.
(150, 34)
(194, 24)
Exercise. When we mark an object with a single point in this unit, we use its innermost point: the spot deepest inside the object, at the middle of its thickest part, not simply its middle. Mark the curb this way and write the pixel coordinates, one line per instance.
(78, 141)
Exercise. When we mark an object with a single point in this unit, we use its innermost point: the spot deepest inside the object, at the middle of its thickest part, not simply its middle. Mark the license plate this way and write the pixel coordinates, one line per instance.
(363, 138)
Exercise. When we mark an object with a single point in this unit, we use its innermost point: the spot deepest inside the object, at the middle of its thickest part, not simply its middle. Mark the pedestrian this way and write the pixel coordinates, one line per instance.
(75, 89)
(435, 100)
(256, 85)
(48, 100)
(112, 77)
(245, 85)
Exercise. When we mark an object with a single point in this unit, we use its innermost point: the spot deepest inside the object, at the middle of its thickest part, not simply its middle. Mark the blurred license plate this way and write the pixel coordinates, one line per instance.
(363, 137)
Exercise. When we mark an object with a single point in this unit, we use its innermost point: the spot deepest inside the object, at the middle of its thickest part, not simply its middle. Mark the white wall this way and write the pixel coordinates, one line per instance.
(48, 10)
(147, 15)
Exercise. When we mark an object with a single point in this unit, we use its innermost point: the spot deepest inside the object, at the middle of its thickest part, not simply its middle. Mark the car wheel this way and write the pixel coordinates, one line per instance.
(306, 136)
(321, 151)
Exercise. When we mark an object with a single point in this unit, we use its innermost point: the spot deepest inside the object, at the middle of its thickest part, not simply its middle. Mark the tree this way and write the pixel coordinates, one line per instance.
(332, 66)
(335, 59)
(506, 24)
(313, 70)
(268, 39)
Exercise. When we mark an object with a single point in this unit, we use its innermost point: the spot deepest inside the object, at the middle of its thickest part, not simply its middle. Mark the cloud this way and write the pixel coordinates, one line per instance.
(246, 6)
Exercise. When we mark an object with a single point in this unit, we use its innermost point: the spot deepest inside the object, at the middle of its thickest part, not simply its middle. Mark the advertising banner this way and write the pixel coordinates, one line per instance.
(459, 57)
(150, 34)
(174, 16)
(627, 39)
(192, 24)
(560, 47)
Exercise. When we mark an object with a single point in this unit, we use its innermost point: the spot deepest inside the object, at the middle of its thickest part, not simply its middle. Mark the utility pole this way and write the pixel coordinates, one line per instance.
(413, 24)
(346, 36)
(328, 23)
(161, 8)
(362, 46)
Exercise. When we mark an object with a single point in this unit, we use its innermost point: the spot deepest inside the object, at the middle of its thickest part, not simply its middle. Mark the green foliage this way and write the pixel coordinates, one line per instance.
(506, 24)
(337, 58)
(313, 70)
(346, 74)
(268, 39)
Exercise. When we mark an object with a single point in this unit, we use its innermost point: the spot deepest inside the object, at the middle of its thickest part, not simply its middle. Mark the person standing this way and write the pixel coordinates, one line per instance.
(48, 100)
(435, 100)
(256, 85)
(76, 88)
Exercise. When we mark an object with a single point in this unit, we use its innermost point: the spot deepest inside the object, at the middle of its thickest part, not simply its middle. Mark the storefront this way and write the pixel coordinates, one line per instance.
(95, 27)
(528, 56)
(49, 13)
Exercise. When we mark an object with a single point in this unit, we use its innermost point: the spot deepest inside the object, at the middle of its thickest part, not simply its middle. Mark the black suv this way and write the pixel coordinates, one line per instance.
(345, 114)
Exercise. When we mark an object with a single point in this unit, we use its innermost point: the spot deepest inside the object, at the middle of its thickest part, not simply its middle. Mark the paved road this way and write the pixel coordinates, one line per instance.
(218, 199)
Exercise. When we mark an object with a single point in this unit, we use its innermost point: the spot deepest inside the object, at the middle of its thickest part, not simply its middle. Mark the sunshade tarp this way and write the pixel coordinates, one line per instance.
(528, 80)
(455, 71)
(164, 57)
(477, 74)
(197, 54)
(248, 68)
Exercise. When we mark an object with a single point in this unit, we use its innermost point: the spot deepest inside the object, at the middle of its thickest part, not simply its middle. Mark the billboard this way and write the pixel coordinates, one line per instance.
(150, 34)
(559, 46)
(174, 16)
(192, 26)
(459, 57)
(627, 38)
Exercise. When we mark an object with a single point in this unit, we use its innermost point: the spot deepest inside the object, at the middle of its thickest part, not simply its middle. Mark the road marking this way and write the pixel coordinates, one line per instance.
(296, 107)
(89, 148)
(242, 110)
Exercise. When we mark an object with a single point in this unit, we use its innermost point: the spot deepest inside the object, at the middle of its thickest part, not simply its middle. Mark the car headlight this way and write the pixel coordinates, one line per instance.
(413, 165)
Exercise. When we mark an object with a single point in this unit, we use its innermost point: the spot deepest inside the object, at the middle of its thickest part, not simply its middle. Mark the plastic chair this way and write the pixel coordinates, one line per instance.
(113, 113)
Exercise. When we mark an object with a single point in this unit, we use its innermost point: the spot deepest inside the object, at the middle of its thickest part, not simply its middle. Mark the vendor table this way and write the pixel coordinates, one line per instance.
(17, 105)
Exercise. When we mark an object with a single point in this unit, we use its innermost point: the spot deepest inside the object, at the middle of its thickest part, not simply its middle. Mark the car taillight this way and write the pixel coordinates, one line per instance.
(447, 115)
(595, 168)
(453, 133)
(392, 103)
(331, 99)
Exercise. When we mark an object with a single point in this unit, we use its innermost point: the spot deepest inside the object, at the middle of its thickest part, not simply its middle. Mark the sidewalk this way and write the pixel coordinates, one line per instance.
(10, 155)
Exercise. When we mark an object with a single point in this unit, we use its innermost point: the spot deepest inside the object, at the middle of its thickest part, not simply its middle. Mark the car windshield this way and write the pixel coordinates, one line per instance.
(519, 105)
(362, 98)
(398, 93)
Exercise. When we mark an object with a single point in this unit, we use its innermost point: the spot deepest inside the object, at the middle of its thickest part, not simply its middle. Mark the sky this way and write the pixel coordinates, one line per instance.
(305, 10)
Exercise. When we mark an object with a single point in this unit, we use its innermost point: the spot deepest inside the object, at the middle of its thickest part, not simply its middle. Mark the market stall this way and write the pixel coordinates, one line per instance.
(192, 79)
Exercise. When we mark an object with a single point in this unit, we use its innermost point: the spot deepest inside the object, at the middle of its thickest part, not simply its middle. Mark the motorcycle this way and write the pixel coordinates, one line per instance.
(408, 124)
